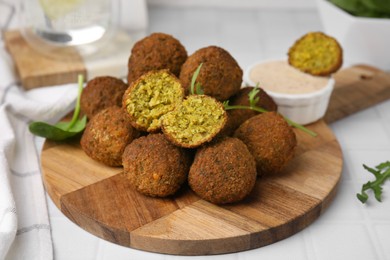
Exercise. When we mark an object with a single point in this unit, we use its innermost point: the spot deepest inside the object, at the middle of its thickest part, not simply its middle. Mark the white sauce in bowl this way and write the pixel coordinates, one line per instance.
(280, 77)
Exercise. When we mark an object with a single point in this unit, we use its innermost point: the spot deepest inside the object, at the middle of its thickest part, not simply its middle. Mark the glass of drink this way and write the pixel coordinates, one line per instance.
(68, 28)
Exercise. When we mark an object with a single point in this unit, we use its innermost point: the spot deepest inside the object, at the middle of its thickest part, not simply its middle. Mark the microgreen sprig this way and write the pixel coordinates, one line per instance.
(381, 173)
(252, 96)
(62, 130)
(262, 110)
(196, 87)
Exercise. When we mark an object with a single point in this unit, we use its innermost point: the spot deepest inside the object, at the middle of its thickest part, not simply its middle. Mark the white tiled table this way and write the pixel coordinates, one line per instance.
(348, 229)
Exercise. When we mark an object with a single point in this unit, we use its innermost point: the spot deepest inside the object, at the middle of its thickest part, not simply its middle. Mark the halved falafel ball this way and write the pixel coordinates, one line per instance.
(270, 140)
(100, 93)
(150, 97)
(106, 136)
(220, 75)
(195, 121)
(238, 116)
(223, 171)
(154, 166)
(316, 53)
(155, 52)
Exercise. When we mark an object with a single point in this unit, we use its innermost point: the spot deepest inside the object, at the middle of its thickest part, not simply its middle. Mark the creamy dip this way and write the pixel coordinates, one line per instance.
(279, 76)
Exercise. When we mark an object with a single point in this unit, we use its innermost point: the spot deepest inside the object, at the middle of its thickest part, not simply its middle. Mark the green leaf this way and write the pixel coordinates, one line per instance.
(199, 89)
(51, 132)
(373, 171)
(262, 110)
(381, 175)
(363, 197)
(62, 130)
(193, 80)
(365, 8)
(383, 166)
(252, 96)
(377, 192)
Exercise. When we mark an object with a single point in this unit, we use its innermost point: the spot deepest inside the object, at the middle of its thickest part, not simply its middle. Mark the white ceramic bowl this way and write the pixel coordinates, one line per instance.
(300, 108)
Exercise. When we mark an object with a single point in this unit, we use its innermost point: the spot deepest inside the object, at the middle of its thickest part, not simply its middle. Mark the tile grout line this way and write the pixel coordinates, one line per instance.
(369, 226)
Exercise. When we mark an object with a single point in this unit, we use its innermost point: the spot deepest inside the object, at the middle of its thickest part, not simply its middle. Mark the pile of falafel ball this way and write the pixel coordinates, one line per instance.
(164, 136)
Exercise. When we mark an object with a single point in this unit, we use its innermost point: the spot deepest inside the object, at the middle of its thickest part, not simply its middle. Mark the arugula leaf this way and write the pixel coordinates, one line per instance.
(381, 173)
(62, 130)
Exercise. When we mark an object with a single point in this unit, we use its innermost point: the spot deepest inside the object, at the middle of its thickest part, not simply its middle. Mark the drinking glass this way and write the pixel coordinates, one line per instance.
(67, 28)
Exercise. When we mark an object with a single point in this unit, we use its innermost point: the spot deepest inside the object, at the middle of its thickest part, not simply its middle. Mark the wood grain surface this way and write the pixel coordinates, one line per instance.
(100, 199)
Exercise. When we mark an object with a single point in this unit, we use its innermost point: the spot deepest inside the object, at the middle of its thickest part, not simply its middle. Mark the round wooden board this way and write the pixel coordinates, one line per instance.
(100, 200)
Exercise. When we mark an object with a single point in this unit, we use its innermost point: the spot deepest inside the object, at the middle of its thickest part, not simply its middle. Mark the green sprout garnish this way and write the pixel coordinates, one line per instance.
(62, 130)
(196, 87)
(252, 96)
(381, 173)
(252, 106)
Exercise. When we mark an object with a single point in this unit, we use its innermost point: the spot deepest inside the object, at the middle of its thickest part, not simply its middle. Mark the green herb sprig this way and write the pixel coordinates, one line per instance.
(252, 106)
(381, 173)
(62, 130)
(196, 87)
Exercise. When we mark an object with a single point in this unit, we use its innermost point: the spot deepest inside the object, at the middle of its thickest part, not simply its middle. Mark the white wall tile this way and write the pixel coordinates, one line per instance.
(290, 248)
(363, 129)
(72, 242)
(108, 251)
(355, 158)
(345, 206)
(342, 241)
(383, 231)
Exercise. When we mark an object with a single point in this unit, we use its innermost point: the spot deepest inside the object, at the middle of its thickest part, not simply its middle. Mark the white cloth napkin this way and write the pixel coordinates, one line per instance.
(24, 223)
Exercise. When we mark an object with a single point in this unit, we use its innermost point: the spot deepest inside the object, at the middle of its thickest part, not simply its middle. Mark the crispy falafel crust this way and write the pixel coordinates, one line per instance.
(270, 140)
(100, 93)
(316, 53)
(197, 120)
(236, 117)
(220, 75)
(154, 166)
(106, 136)
(223, 171)
(155, 52)
(150, 97)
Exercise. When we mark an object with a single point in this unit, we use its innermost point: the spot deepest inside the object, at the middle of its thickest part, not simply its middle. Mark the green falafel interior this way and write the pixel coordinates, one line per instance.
(150, 97)
(197, 120)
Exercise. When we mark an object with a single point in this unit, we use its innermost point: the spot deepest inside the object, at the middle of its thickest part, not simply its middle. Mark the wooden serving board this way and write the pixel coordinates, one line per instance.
(100, 200)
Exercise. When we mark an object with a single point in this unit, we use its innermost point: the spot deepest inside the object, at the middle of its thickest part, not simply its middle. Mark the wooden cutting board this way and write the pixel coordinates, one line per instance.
(100, 200)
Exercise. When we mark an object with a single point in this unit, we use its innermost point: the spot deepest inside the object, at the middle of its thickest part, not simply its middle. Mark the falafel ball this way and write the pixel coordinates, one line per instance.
(238, 116)
(270, 140)
(106, 136)
(155, 52)
(220, 75)
(223, 171)
(150, 97)
(316, 53)
(154, 166)
(195, 121)
(100, 93)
